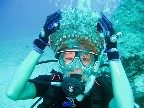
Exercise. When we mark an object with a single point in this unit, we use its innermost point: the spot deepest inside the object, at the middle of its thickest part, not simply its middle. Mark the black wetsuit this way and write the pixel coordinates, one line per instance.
(58, 98)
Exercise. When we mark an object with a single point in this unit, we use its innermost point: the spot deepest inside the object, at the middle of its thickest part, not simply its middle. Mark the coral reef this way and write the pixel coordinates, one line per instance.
(129, 18)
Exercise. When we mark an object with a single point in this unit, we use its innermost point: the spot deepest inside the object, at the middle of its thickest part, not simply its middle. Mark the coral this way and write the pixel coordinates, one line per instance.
(129, 18)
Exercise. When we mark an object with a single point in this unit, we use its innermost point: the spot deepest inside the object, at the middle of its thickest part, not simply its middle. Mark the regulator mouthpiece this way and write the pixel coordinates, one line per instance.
(72, 87)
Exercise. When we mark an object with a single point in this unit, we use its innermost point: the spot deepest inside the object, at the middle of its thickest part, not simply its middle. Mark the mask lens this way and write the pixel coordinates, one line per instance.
(66, 58)
(88, 59)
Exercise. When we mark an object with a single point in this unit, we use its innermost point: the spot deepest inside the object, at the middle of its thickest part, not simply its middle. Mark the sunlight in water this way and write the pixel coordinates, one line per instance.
(105, 6)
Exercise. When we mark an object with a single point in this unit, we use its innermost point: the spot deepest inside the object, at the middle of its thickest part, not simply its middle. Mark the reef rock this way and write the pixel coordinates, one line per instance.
(129, 19)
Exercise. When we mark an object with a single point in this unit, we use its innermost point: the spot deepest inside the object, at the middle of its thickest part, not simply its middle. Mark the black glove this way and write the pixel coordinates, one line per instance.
(105, 26)
(51, 25)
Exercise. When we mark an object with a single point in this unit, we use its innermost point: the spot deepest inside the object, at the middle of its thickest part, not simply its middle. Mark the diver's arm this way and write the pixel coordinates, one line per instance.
(19, 87)
(123, 96)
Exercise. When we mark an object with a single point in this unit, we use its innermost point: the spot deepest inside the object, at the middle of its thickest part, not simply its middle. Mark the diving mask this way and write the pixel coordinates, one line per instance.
(69, 57)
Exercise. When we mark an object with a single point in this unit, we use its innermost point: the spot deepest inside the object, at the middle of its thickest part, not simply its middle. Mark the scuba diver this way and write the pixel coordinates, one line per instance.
(79, 41)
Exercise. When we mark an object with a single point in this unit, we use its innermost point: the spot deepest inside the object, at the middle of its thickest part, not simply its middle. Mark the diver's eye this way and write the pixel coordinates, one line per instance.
(69, 58)
(85, 59)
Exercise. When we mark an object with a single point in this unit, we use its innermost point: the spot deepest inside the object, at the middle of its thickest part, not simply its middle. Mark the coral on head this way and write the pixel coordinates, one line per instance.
(77, 27)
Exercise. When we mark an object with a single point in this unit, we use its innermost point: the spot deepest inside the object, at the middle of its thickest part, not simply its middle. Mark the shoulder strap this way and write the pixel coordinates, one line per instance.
(103, 79)
(48, 96)
(96, 96)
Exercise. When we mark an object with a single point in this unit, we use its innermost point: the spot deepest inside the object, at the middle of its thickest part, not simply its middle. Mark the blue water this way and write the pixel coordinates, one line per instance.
(23, 18)
(20, 23)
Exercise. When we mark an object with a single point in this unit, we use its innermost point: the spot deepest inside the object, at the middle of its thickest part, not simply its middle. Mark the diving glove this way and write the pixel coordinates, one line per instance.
(105, 26)
(51, 25)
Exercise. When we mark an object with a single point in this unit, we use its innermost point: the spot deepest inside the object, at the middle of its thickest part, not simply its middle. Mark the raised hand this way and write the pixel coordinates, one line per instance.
(51, 25)
(105, 26)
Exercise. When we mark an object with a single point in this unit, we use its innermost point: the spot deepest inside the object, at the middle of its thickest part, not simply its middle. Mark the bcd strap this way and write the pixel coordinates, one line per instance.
(102, 81)
(56, 76)
(96, 96)
(48, 96)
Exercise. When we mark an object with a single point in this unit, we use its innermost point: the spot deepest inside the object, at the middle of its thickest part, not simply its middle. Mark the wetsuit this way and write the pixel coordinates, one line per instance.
(100, 95)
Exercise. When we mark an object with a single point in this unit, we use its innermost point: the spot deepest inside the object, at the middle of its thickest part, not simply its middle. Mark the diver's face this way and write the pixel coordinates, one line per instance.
(74, 61)
(70, 57)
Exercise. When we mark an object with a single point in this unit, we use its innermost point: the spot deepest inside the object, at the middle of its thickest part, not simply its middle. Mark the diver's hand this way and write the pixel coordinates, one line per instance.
(111, 47)
(51, 25)
(105, 27)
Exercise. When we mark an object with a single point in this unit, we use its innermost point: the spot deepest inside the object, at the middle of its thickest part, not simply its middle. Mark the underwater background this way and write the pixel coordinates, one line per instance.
(22, 20)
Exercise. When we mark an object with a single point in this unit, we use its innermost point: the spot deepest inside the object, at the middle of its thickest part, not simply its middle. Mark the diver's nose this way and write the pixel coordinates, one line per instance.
(78, 64)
